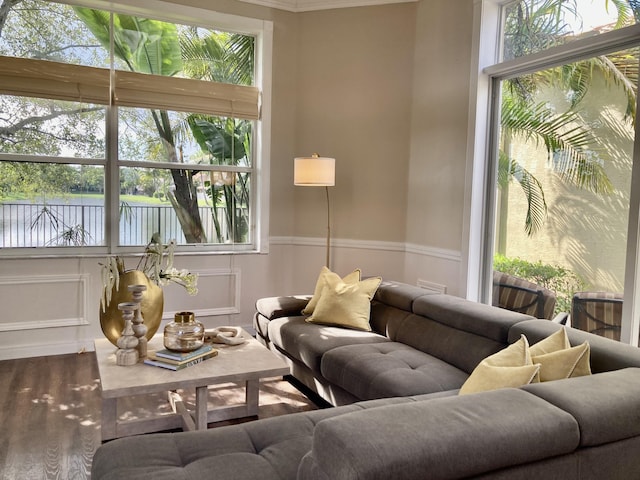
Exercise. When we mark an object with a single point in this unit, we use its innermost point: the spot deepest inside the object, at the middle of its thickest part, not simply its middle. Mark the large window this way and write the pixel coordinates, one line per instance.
(115, 126)
(563, 210)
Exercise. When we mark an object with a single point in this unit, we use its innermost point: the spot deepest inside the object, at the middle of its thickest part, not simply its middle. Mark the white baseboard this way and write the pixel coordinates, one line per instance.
(42, 349)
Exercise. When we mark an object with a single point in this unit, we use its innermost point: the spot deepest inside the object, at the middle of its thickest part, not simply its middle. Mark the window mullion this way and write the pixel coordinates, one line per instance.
(112, 178)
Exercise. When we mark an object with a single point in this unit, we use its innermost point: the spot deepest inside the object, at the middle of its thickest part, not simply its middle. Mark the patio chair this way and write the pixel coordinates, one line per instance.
(519, 295)
(597, 312)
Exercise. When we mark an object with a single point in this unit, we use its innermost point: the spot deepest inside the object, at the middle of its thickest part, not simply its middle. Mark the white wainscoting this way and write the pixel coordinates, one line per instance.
(219, 293)
(32, 302)
(45, 313)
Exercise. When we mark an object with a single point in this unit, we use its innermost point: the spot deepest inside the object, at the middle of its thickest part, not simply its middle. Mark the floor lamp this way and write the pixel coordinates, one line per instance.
(317, 171)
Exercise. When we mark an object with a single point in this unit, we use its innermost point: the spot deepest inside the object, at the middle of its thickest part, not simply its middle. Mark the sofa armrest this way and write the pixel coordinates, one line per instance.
(454, 437)
(276, 307)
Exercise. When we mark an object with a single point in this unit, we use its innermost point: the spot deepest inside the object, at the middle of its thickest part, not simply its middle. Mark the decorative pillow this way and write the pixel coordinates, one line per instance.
(511, 367)
(558, 359)
(345, 304)
(353, 277)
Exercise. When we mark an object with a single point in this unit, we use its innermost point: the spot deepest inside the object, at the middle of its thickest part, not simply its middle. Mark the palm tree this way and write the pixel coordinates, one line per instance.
(530, 27)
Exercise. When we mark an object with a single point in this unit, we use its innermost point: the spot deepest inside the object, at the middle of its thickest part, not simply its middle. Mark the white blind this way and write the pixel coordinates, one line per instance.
(60, 81)
(63, 81)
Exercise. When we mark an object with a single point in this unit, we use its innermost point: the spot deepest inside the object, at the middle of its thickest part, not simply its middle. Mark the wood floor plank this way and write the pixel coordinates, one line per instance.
(50, 413)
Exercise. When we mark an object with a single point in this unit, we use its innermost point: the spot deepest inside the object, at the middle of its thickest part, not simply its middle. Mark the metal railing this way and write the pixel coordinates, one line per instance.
(41, 225)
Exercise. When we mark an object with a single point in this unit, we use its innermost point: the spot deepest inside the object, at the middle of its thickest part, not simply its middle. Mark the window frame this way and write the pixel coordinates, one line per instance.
(262, 31)
(487, 73)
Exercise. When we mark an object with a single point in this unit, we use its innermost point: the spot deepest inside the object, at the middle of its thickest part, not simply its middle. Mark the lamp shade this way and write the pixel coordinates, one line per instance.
(314, 171)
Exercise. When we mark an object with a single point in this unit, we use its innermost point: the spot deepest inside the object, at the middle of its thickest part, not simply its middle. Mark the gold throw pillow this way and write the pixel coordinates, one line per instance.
(345, 304)
(558, 359)
(353, 277)
(510, 367)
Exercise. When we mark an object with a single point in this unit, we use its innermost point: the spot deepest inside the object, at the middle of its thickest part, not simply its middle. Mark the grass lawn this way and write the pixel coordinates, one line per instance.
(68, 198)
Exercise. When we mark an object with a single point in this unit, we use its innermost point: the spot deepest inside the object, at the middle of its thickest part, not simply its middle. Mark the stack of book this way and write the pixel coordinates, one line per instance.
(178, 360)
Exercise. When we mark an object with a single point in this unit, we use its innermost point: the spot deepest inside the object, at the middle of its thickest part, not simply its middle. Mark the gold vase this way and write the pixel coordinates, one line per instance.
(111, 320)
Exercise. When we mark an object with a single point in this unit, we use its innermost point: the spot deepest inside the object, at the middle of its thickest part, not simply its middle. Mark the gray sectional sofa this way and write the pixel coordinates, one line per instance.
(400, 415)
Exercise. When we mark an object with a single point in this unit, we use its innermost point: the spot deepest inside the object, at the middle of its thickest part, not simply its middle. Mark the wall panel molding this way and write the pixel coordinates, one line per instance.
(35, 283)
(215, 310)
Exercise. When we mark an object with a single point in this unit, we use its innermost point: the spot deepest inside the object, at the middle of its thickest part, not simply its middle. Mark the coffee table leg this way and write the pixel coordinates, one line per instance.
(109, 418)
(202, 396)
(251, 397)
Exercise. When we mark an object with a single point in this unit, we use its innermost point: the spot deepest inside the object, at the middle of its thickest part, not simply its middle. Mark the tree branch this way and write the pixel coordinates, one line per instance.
(5, 8)
(24, 124)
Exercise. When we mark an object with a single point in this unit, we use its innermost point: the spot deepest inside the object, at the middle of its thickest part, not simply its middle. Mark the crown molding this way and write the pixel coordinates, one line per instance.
(312, 5)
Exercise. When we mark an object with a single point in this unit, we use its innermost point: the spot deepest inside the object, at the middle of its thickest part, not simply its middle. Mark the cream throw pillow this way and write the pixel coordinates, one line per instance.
(353, 277)
(345, 304)
(510, 367)
(558, 359)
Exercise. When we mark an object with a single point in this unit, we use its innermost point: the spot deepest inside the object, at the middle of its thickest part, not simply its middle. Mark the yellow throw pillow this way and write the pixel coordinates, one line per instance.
(345, 304)
(558, 359)
(510, 367)
(353, 277)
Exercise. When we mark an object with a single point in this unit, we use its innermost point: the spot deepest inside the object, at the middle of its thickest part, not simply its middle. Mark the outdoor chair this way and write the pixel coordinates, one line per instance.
(597, 312)
(519, 295)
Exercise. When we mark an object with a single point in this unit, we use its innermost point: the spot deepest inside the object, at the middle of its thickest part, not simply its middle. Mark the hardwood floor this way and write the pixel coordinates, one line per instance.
(50, 413)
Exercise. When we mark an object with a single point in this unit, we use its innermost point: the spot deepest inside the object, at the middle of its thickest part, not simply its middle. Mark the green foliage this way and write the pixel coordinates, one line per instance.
(227, 141)
(556, 278)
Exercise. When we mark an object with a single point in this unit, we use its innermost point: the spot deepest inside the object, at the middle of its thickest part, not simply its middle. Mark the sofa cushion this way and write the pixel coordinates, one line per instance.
(399, 295)
(345, 304)
(388, 369)
(460, 348)
(321, 283)
(383, 316)
(276, 307)
(307, 342)
(446, 438)
(477, 318)
(510, 367)
(605, 405)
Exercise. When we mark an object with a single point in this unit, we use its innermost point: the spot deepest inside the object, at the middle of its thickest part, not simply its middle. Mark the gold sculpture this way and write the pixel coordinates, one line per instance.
(152, 305)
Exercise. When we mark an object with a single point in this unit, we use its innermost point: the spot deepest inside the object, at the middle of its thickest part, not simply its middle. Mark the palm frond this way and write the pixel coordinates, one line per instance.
(584, 170)
(509, 169)
(536, 203)
(540, 123)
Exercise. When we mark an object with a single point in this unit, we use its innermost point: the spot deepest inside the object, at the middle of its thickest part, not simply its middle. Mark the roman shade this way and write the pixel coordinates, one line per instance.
(63, 81)
(185, 94)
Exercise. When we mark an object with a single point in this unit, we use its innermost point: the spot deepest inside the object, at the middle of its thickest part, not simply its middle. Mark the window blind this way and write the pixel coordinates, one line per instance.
(60, 81)
(186, 95)
(63, 81)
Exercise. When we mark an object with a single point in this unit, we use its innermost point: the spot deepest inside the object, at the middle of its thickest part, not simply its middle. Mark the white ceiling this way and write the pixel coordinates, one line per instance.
(309, 5)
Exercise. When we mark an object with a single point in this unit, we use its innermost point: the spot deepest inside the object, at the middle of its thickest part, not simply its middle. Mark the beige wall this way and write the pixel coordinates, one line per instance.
(438, 142)
(384, 89)
(354, 103)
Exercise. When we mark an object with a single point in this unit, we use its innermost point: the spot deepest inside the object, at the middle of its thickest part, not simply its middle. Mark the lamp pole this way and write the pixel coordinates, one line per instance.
(317, 171)
(328, 229)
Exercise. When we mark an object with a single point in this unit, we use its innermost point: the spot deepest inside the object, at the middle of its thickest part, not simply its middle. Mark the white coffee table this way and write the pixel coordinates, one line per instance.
(246, 363)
